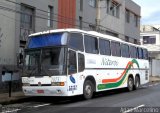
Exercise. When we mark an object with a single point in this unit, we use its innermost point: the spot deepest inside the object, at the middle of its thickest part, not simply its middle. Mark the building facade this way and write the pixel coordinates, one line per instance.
(150, 37)
(19, 18)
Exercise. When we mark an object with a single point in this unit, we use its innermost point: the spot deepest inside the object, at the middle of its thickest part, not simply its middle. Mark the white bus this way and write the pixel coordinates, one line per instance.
(68, 62)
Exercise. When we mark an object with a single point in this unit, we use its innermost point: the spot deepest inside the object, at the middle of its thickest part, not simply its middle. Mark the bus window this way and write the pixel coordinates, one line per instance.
(72, 65)
(145, 54)
(115, 47)
(104, 46)
(91, 44)
(140, 53)
(81, 64)
(76, 41)
(133, 52)
(125, 50)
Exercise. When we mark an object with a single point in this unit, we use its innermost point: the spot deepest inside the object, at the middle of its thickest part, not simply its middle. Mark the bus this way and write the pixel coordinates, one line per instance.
(69, 62)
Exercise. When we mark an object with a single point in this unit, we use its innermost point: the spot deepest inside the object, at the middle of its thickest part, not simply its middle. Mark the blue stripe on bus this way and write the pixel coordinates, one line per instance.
(45, 40)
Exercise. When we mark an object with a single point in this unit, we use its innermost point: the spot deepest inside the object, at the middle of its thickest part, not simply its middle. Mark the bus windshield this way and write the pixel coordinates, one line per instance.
(45, 62)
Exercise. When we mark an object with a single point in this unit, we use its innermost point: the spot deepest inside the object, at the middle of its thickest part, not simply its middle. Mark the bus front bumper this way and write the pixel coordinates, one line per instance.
(45, 91)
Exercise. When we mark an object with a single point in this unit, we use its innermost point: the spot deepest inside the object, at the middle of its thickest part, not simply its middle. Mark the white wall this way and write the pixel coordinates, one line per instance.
(154, 71)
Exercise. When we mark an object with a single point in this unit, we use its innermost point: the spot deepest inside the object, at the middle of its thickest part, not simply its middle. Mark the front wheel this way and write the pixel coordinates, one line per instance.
(88, 89)
(137, 83)
(130, 84)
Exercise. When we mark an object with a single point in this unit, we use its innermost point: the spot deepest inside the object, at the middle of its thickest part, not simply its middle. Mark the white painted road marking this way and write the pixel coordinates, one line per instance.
(15, 110)
(41, 105)
(134, 108)
(150, 85)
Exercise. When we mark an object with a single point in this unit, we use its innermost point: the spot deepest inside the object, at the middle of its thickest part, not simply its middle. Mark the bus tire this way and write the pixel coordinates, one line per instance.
(88, 89)
(130, 83)
(137, 83)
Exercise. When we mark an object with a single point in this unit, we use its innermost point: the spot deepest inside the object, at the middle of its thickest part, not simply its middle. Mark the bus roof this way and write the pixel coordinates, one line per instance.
(93, 33)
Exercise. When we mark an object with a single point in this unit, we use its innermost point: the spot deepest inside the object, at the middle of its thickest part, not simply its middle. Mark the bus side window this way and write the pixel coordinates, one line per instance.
(145, 54)
(91, 44)
(125, 50)
(76, 41)
(81, 64)
(140, 54)
(104, 47)
(115, 48)
(72, 66)
(133, 52)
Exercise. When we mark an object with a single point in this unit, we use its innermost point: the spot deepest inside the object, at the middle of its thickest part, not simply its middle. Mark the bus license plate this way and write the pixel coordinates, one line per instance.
(40, 91)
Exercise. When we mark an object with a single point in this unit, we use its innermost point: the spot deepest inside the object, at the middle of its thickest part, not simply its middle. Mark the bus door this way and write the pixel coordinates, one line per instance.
(75, 70)
(72, 72)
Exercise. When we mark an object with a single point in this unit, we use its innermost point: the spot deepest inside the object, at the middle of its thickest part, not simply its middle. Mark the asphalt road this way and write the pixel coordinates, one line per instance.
(144, 100)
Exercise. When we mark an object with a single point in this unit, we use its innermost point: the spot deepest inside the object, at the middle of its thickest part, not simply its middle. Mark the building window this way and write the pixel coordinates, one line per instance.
(92, 3)
(127, 16)
(126, 38)
(108, 6)
(80, 22)
(27, 17)
(27, 21)
(113, 8)
(136, 20)
(50, 16)
(135, 41)
(81, 5)
(149, 39)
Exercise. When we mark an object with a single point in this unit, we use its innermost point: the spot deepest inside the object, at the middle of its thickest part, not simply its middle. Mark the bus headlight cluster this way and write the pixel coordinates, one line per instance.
(57, 83)
(26, 84)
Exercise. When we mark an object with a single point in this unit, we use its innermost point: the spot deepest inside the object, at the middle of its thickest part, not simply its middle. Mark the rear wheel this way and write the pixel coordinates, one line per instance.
(88, 89)
(130, 84)
(137, 83)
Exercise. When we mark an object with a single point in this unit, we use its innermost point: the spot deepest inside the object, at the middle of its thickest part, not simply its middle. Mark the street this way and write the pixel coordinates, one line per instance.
(110, 101)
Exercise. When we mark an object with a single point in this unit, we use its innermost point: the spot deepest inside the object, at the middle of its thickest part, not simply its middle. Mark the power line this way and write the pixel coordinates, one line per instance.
(72, 19)
(68, 18)
(36, 16)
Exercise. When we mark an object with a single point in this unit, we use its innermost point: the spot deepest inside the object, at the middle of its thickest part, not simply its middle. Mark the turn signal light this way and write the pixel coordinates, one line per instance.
(57, 83)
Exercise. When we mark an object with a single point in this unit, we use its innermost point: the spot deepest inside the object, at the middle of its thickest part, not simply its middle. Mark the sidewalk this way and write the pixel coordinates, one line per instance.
(154, 79)
(15, 96)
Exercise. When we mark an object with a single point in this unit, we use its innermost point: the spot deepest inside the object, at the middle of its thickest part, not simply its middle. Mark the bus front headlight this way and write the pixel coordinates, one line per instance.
(26, 84)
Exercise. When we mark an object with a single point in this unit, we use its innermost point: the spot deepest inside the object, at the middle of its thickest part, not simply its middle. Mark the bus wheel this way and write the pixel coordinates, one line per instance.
(130, 84)
(137, 83)
(88, 89)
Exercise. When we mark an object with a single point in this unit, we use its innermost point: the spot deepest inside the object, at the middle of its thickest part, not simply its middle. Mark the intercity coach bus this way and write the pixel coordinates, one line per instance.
(69, 62)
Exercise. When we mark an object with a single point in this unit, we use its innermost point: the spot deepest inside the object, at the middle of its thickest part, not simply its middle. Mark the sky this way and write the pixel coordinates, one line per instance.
(150, 11)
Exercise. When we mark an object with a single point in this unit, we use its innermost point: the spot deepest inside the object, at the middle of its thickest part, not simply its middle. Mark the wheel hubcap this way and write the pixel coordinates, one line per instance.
(130, 84)
(137, 85)
(88, 90)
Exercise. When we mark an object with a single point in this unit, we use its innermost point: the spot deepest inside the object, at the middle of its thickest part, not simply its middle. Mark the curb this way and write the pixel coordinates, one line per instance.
(11, 101)
(0, 108)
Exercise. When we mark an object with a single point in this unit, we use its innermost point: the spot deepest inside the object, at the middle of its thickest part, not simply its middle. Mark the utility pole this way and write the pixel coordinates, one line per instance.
(97, 14)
